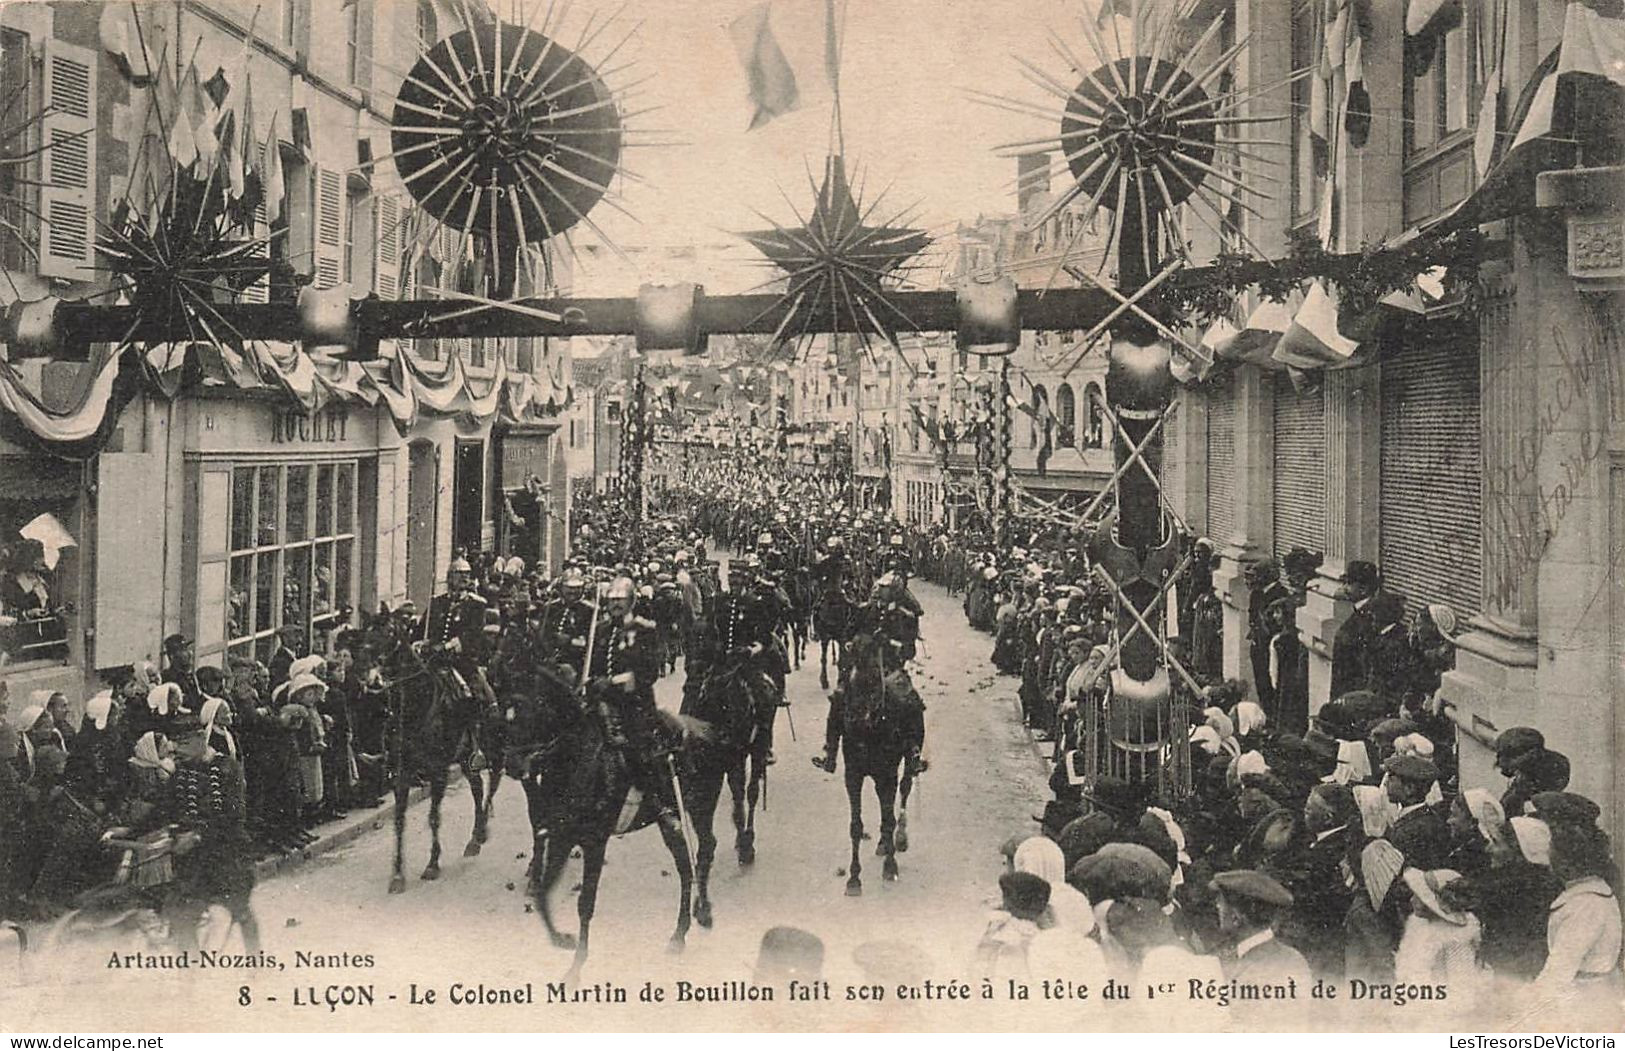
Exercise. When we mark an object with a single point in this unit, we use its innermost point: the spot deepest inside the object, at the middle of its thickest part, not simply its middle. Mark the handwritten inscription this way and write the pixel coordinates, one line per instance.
(1589, 397)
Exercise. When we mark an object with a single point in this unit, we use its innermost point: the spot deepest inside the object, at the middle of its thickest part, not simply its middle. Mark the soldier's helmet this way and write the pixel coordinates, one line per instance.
(765, 540)
(620, 588)
(834, 543)
(573, 580)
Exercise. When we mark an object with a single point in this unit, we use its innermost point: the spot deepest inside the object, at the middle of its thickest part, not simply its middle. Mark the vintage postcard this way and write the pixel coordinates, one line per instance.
(812, 515)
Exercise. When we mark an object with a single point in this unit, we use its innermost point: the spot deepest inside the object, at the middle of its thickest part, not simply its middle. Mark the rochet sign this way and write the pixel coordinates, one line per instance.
(329, 425)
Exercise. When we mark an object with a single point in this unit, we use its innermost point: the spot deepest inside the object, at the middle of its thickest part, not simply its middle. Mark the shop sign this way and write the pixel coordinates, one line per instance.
(523, 456)
(329, 425)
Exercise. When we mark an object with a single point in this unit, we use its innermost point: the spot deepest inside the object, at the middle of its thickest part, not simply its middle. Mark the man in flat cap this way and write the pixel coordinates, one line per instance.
(1418, 831)
(1522, 757)
(1249, 903)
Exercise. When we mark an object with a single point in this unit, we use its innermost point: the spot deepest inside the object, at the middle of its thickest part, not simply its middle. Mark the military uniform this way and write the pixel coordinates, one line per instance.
(620, 685)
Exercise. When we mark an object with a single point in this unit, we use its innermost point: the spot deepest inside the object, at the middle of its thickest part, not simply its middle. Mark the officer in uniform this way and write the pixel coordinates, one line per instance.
(621, 680)
(565, 620)
(740, 628)
(454, 629)
(894, 615)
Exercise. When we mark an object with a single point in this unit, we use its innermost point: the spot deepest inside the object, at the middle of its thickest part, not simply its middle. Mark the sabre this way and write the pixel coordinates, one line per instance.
(788, 714)
(682, 809)
(592, 635)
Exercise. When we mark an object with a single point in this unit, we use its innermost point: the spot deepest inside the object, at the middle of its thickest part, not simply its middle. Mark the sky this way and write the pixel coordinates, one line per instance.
(905, 69)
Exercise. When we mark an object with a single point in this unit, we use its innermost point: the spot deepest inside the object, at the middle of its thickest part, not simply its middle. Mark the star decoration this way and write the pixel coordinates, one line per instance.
(839, 271)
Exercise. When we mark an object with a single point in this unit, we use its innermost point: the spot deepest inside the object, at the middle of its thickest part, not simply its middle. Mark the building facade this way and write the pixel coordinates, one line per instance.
(1479, 461)
(229, 510)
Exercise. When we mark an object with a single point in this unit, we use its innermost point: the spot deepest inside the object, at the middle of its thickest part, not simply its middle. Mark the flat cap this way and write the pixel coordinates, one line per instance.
(1411, 768)
(1252, 885)
(1565, 808)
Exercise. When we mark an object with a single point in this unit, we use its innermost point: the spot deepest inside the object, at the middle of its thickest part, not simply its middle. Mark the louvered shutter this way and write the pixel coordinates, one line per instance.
(1221, 458)
(260, 290)
(1431, 504)
(329, 227)
(386, 240)
(1300, 460)
(68, 131)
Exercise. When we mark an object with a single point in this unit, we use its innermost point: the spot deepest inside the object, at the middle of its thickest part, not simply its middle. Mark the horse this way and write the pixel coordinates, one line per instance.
(432, 726)
(832, 625)
(579, 794)
(799, 586)
(875, 741)
(735, 704)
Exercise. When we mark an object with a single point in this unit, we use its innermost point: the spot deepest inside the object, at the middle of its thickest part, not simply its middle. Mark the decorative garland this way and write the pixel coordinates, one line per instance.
(1361, 278)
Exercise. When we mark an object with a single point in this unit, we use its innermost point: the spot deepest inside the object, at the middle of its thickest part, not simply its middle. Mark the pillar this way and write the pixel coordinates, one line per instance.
(1254, 514)
(1353, 472)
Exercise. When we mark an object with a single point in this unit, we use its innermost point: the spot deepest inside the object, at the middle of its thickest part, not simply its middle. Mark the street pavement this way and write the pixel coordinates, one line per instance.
(985, 783)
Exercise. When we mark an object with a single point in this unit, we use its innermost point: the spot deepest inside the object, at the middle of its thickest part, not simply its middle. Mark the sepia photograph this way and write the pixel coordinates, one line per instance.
(812, 516)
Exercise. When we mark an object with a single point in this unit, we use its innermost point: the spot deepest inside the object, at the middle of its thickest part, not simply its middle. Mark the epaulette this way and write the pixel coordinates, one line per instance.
(640, 622)
(475, 597)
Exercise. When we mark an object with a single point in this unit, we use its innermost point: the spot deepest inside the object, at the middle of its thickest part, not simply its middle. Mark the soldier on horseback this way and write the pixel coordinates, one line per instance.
(565, 620)
(740, 633)
(621, 676)
(892, 614)
(454, 630)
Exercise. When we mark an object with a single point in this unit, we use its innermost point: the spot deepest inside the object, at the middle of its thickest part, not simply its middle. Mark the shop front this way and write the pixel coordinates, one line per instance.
(532, 476)
(42, 520)
(289, 518)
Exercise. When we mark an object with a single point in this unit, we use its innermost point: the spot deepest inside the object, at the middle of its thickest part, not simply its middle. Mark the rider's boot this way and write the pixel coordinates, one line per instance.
(915, 764)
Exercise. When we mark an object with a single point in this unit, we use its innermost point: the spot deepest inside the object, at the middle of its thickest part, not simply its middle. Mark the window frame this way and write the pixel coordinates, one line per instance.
(259, 640)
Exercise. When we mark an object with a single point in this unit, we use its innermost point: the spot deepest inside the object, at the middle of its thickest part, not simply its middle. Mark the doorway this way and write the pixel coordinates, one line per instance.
(468, 498)
(422, 520)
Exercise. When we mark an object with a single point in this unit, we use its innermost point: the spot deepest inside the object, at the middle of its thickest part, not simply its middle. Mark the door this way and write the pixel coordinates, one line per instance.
(422, 519)
(468, 498)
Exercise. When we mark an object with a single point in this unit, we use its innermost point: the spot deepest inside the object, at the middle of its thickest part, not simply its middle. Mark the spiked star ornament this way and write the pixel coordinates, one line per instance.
(840, 271)
(1143, 134)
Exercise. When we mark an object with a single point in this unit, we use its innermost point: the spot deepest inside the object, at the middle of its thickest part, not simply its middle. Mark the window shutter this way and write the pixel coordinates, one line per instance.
(329, 227)
(260, 290)
(1300, 468)
(68, 198)
(1221, 458)
(386, 240)
(1431, 502)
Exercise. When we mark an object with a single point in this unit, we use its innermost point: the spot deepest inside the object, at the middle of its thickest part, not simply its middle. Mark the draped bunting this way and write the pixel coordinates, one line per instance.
(403, 386)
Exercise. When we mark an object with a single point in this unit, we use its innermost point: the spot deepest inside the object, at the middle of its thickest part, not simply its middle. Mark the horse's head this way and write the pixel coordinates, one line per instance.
(538, 716)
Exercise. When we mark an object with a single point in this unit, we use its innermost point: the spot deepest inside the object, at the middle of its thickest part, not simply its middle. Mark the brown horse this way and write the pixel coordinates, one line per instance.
(874, 741)
(579, 794)
(433, 726)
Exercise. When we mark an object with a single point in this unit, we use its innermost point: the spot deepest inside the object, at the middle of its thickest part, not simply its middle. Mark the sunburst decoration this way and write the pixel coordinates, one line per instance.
(508, 137)
(1143, 134)
(840, 272)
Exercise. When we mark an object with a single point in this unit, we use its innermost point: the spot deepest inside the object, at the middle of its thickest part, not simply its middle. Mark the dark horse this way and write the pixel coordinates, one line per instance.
(834, 618)
(736, 704)
(431, 729)
(798, 585)
(579, 795)
(875, 740)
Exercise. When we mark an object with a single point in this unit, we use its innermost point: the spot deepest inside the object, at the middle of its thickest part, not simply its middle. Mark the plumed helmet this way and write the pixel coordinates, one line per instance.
(459, 565)
(574, 579)
(620, 587)
(834, 543)
(765, 538)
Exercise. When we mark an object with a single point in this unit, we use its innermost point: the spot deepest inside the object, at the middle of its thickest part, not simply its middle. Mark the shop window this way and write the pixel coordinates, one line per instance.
(293, 552)
(34, 604)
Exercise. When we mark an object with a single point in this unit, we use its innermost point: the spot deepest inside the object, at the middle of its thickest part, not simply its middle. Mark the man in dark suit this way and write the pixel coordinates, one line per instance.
(290, 640)
(1321, 895)
(1351, 646)
(1249, 903)
(1419, 831)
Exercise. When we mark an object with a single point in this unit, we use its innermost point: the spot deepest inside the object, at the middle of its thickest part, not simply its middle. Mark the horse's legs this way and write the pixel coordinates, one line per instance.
(549, 855)
(705, 790)
(403, 788)
(886, 793)
(823, 663)
(901, 839)
(854, 798)
(671, 830)
(476, 788)
(437, 793)
(755, 783)
(744, 832)
(592, 870)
